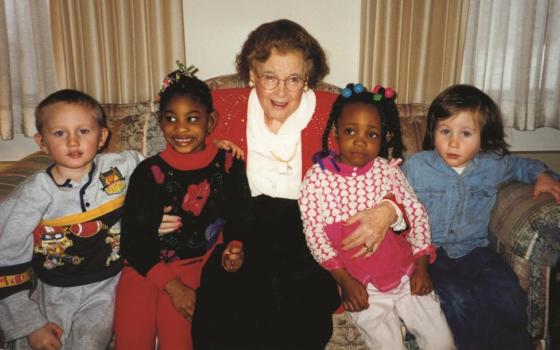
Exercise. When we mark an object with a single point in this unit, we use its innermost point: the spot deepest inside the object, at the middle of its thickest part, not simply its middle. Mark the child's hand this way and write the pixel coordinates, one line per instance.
(230, 146)
(354, 294)
(420, 281)
(182, 297)
(46, 337)
(169, 223)
(233, 256)
(546, 183)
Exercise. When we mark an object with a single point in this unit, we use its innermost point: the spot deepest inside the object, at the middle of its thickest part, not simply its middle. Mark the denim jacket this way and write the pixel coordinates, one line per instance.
(459, 205)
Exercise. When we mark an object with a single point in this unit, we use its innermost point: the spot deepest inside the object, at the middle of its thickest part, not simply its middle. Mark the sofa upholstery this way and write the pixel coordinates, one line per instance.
(525, 232)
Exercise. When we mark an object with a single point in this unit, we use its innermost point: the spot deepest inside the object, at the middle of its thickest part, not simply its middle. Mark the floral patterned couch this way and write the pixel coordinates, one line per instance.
(525, 232)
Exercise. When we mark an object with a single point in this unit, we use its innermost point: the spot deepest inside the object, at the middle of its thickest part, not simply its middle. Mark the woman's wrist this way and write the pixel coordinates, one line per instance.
(399, 223)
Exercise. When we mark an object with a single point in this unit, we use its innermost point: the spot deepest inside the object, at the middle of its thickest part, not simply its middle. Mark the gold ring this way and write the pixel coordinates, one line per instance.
(368, 249)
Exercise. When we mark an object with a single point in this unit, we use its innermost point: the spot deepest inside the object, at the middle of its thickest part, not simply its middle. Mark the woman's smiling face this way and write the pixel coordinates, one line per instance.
(279, 103)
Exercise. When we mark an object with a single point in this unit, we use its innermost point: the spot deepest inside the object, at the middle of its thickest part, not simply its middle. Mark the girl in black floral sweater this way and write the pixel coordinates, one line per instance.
(207, 188)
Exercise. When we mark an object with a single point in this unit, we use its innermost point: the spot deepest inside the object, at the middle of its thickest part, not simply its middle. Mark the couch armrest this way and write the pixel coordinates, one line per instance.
(16, 173)
(526, 227)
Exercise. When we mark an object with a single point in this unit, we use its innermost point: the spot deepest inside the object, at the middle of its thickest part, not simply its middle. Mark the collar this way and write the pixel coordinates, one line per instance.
(442, 165)
(189, 161)
(69, 182)
(330, 163)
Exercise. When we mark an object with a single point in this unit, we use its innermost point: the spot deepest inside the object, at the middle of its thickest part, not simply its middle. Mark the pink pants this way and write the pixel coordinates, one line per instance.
(142, 311)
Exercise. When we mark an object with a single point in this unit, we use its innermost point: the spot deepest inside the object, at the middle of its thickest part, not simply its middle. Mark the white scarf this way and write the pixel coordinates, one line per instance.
(274, 160)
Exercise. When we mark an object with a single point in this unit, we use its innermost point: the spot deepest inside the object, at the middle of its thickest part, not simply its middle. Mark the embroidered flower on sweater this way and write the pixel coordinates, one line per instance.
(195, 197)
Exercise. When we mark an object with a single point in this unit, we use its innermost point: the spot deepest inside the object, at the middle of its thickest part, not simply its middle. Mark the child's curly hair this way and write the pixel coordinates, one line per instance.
(384, 101)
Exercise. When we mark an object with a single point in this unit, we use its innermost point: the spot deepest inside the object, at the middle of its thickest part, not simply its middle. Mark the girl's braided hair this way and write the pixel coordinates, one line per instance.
(383, 99)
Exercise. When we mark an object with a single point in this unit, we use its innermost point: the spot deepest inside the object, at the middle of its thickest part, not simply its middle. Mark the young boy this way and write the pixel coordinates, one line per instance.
(64, 224)
(456, 179)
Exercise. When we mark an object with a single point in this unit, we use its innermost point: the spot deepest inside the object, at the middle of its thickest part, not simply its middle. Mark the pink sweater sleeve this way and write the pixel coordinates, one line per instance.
(419, 234)
(314, 223)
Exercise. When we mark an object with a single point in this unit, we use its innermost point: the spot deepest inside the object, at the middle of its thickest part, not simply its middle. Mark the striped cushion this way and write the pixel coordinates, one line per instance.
(15, 173)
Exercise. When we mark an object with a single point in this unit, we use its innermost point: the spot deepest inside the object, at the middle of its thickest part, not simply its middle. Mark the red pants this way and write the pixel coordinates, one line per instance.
(142, 311)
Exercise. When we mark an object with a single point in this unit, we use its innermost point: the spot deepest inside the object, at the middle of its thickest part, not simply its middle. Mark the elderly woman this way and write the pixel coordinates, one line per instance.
(278, 122)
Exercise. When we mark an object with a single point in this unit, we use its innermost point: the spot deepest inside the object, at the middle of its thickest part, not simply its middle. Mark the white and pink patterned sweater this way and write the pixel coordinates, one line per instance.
(329, 197)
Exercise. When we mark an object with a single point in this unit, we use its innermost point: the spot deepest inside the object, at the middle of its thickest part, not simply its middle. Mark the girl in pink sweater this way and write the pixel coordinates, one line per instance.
(391, 284)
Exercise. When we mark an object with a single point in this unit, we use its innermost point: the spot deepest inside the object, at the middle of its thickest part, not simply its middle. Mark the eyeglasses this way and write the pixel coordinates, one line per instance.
(271, 82)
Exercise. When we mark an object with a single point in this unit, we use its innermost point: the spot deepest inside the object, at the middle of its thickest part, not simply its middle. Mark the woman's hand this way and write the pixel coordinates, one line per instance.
(420, 281)
(354, 294)
(169, 223)
(233, 256)
(46, 337)
(374, 225)
(182, 297)
(231, 147)
(546, 183)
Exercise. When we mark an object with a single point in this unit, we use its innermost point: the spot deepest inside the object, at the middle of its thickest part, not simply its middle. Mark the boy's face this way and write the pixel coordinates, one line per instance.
(457, 138)
(185, 124)
(72, 136)
(358, 134)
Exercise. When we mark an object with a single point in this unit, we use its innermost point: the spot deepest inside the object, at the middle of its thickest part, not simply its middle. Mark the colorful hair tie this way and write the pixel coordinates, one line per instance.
(379, 92)
(188, 72)
(357, 89)
(346, 92)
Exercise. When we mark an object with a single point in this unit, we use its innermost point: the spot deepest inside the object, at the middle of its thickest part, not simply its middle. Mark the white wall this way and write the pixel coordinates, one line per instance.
(216, 29)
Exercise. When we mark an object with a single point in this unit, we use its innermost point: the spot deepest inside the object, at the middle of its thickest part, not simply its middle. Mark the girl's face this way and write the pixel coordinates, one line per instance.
(185, 124)
(279, 102)
(457, 138)
(358, 134)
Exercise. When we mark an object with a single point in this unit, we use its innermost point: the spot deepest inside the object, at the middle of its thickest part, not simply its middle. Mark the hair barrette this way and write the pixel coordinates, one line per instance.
(357, 88)
(182, 71)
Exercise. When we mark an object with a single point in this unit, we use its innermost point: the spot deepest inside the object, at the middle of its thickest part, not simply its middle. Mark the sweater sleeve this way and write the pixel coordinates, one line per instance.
(20, 213)
(238, 201)
(419, 233)
(314, 223)
(143, 212)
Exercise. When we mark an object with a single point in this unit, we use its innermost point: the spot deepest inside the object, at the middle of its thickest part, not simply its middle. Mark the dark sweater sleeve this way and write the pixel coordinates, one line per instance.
(238, 203)
(143, 212)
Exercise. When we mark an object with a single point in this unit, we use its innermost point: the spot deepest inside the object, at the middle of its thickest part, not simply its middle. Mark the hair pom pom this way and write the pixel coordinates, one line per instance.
(377, 97)
(376, 89)
(358, 88)
(389, 93)
(346, 92)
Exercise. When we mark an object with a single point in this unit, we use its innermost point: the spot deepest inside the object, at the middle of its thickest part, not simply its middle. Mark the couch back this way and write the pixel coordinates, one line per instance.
(135, 126)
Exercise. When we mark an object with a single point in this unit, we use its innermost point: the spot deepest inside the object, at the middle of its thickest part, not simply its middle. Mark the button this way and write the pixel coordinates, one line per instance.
(87, 204)
(353, 173)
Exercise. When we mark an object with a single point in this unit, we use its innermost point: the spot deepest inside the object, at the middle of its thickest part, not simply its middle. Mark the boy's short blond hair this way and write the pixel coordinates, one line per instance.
(70, 96)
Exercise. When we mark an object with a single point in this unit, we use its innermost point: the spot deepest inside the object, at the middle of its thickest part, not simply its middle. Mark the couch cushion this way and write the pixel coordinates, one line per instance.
(127, 123)
(413, 126)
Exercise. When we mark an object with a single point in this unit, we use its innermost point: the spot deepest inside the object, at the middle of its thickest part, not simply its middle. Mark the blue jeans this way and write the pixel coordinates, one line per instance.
(481, 298)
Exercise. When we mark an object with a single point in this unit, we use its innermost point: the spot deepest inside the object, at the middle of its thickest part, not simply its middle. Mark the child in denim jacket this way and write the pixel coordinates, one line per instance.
(456, 178)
